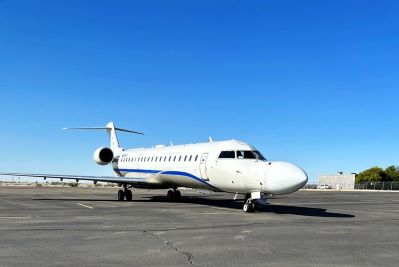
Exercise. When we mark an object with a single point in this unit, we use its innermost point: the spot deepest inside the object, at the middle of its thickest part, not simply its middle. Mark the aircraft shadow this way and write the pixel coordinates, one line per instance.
(237, 204)
(225, 203)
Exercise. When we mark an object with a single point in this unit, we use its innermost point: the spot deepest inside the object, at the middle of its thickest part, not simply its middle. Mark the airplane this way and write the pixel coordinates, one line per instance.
(229, 166)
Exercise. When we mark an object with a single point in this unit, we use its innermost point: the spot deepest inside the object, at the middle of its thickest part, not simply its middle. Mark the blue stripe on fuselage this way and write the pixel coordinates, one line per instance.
(186, 174)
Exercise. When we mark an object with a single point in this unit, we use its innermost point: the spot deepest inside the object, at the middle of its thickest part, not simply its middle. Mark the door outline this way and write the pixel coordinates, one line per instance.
(202, 166)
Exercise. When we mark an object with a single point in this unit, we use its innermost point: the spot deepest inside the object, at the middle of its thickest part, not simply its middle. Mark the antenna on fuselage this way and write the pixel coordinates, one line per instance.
(210, 139)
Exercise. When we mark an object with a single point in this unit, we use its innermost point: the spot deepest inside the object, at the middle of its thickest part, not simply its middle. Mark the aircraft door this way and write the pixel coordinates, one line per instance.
(203, 159)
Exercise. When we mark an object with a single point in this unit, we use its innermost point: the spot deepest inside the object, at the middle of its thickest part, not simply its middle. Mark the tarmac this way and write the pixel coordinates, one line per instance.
(44, 226)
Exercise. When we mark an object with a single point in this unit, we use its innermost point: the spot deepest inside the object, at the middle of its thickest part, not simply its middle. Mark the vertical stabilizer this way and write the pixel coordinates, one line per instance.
(113, 138)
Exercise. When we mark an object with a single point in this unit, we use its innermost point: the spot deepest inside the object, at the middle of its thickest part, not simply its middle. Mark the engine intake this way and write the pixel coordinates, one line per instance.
(103, 155)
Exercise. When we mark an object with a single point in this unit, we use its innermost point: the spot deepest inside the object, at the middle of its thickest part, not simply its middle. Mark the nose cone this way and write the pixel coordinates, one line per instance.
(284, 178)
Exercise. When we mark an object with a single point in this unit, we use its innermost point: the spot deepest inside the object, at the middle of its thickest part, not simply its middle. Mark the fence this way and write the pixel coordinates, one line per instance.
(378, 186)
(366, 186)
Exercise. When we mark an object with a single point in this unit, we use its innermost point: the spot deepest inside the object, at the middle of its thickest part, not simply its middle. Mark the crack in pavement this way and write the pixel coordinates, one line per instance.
(189, 257)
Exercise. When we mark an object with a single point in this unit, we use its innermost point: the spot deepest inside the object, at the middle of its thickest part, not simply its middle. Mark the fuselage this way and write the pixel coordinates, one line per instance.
(229, 166)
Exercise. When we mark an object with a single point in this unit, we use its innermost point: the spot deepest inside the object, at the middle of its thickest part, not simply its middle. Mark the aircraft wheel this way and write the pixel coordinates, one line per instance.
(170, 195)
(177, 195)
(245, 208)
(249, 206)
(121, 195)
(128, 195)
(253, 206)
(256, 205)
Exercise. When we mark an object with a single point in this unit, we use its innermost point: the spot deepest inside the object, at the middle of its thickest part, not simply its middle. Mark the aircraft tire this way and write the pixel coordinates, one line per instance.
(246, 206)
(121, 195)
(249, 206)
(253, 206)
(256, 205)
(177, 195)
(170, 195)
(128, 195)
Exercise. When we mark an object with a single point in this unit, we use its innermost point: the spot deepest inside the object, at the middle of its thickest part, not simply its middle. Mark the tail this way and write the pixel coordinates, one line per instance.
(111, 130)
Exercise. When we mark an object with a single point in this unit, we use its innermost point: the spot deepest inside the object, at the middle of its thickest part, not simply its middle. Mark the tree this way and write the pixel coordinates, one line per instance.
(392, 173)
(374, 174)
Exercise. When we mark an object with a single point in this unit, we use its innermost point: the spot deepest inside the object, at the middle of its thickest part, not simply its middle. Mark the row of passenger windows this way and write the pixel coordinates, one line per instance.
(241, 154)
(161, 158)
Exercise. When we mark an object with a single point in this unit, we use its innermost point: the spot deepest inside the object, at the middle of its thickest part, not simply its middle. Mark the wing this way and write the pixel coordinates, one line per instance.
(95, 179)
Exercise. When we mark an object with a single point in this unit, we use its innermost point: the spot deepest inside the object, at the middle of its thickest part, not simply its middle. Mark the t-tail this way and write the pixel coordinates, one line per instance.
(105, 155)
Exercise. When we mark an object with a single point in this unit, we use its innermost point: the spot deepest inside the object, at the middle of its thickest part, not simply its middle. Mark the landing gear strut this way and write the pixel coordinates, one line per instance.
(173, 195)
(125, 194)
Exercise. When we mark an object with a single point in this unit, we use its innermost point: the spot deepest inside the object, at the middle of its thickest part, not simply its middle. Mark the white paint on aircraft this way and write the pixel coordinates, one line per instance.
(226, 166)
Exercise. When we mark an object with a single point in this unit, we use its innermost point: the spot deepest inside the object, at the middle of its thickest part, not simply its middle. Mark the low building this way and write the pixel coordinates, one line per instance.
(339, 181)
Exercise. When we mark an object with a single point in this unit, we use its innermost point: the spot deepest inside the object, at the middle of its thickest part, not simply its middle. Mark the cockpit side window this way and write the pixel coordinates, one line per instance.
(259, 155)
(227, 155)
(245, 154)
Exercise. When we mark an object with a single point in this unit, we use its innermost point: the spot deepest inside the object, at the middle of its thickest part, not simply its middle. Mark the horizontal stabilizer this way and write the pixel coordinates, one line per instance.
(102, 128)
(111, 130)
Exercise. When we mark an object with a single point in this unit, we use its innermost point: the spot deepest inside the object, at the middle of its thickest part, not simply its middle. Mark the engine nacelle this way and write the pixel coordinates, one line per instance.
(103, 155)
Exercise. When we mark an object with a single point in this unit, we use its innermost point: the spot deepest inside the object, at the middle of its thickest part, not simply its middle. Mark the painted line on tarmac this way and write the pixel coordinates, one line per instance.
(210, 213)
(82, 205)
(15, 217)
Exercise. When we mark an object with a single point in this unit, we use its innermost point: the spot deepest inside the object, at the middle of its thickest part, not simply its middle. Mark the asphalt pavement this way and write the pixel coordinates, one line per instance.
(45, 226)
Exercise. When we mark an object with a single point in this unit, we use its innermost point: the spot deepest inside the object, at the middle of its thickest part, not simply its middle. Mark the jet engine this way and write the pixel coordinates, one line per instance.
(103, 155)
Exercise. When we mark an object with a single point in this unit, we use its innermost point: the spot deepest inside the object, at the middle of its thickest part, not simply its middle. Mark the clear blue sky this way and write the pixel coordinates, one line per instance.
(315, 83)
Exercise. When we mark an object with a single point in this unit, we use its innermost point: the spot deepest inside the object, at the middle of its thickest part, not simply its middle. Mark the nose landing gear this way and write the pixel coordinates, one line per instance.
(250, 205)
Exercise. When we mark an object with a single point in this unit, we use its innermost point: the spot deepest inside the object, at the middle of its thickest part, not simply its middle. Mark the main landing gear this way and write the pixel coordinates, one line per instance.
(250, 205)
(125, 194)
(173, 195)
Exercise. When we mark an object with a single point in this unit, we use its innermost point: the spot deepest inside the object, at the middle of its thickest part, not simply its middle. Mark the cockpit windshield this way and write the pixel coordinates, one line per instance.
(242, 154)
(227, 155)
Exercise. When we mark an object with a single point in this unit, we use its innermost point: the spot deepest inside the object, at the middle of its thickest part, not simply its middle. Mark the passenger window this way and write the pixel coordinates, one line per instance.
(196, 157)
(227, 155)
(174, 159)
(190, 158)
(180, 158)
(185, 157)
(170, 157)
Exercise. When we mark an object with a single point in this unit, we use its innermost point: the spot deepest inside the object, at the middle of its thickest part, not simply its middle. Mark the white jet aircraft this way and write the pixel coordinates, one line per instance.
(224, 166)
